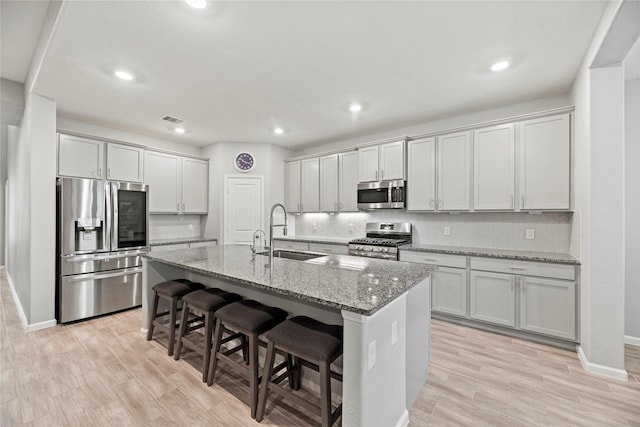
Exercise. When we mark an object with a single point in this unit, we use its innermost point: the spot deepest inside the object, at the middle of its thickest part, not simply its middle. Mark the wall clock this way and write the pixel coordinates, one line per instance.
(244, 162)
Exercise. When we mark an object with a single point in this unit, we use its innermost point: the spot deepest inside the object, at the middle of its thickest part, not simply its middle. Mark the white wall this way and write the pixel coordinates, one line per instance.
(269, 165)
(31, 217)
(598, 95)
(632, 211)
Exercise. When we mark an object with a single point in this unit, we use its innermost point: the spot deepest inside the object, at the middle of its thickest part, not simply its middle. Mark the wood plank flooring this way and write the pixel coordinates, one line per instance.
(104, 372)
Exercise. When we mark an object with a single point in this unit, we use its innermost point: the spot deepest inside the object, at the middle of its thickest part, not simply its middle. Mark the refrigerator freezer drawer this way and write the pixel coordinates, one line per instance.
(87, 295)
(84, 264)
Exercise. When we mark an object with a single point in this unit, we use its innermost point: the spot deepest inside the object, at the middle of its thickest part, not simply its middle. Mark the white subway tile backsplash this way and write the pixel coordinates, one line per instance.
(501, 230)
(174, 226)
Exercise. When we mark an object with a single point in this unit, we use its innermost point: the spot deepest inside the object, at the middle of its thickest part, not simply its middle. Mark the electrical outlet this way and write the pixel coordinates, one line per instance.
(394, 332)
(190, 227)
(350, 228)
(447, 231)
(315, 226)
(530, 233)
(372, 355)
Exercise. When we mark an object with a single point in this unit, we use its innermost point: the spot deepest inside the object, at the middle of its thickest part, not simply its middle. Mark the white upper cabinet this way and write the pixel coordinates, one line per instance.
(421, 175)
(382, 162)
(454, 166)
(348, 181)
(162, 174)
(494, 168)
(177, 185)
(80, 157)
(195, 186)
(368, 163)
(310, 185)
(329, 183)
(124, 162)
(545, 147)
(292, 186)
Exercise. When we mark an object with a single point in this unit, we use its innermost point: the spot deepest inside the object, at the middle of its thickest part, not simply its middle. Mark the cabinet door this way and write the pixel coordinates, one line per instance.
(124, 163)
(454, 161)
(310, 194)
(80, 157)
(292, 246)
(195, 186)
(368, 163)
(391, 161)
(162, 174)
(548, 307)
(421, 175)
(494, 168)
(329, 183)
(545, 163)
(492, 297)
(329, 249)
(292, 186)
(449, 294)
(348, 178)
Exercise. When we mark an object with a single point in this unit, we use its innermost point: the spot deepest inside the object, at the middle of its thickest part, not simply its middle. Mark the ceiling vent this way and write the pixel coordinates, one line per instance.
(172, 119)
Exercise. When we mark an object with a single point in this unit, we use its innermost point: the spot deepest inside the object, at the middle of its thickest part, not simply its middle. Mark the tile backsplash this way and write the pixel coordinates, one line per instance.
(503, 230)
(174, 226)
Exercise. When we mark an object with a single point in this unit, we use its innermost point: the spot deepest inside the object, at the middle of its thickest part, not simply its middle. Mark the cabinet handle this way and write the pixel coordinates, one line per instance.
(522, 201)
(431, 203)
(518, 268)
(99, 172)
(376, 175)
(178, 207)
(183, 207)
(108, 172)
(440, 203)
(430, 260)
(512, 201)
(381, 173)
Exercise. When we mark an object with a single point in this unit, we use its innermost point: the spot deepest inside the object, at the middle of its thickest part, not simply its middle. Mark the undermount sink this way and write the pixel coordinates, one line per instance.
(298, 256)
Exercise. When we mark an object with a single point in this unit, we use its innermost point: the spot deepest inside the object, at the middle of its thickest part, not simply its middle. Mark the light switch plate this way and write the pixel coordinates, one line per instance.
(447, 231)
(530, 233)
(190, 227)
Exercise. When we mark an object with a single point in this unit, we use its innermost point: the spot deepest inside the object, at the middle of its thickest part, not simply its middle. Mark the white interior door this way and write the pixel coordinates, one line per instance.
(243, 207)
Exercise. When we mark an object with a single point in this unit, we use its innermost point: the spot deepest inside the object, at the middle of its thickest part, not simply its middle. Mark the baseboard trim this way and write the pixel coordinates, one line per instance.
(628, 339)
(618, 374)
(23, 318)
(404, 419)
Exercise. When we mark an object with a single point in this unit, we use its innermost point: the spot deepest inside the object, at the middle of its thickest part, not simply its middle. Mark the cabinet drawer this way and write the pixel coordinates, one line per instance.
(294, 246)
(203, 244)
(525, 268)
(441, 260)
(158, 248)
(329, 249)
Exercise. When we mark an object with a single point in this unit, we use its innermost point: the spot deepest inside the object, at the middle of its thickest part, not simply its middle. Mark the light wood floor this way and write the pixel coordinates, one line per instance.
(104, 372)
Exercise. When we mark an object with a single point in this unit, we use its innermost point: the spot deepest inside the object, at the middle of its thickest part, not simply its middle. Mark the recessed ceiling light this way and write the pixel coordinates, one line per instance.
(278, 131)
(197, 4)
(124, 75)
(179, 130)
(500, 65)
(354, 108)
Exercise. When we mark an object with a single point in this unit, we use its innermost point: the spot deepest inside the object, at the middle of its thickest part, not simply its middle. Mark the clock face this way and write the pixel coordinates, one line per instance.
(244, 162)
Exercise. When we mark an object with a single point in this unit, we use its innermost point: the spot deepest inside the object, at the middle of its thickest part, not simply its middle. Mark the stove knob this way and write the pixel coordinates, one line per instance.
(385, 250)
(371, 249)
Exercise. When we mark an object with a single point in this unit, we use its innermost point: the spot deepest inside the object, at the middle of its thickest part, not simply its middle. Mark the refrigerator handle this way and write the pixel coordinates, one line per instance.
(113, 190)
(106, 238)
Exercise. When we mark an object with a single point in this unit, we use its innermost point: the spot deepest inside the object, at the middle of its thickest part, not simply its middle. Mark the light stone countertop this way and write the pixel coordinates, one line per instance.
(178, 240)
(550, 257)
(316, 239)
(355, 284)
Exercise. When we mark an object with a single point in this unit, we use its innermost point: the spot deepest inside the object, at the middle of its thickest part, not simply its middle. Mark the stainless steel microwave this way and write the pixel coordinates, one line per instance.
(381, 195)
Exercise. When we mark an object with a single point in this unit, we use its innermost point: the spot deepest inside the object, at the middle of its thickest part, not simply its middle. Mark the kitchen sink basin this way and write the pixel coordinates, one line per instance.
(298, 256)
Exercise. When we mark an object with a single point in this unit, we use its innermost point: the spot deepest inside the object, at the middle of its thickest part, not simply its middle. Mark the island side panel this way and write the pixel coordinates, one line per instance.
(418, 338)
(154, 273)
(374, 391)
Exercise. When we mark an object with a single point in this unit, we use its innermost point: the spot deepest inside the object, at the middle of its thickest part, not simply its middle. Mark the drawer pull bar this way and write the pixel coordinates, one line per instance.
(518, 268)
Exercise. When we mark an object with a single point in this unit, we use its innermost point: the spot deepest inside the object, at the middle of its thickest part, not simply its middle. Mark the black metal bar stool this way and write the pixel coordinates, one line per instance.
(171, 291)
(250, 318)
(198, 311)
(313, 344)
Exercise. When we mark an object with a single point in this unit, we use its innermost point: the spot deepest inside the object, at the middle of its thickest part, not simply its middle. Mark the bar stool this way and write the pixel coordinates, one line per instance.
(171, 291)
(201, 307)
(251, 319)
(317, 345)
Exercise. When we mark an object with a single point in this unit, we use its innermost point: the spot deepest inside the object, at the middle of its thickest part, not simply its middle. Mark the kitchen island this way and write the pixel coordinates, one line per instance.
(382, 305)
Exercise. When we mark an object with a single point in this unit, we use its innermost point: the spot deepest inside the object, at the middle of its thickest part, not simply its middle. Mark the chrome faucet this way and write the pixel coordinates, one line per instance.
(256, 236)
(271, 225)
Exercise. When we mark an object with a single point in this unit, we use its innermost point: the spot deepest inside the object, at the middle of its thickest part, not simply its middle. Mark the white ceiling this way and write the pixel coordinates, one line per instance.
(236, 69)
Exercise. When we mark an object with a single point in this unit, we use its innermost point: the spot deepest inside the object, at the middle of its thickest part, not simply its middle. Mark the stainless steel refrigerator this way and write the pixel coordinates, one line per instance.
(103, 228)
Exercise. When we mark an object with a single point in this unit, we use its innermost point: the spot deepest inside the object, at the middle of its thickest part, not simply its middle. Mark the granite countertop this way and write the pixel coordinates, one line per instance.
(355, 284)
(551, 257)
(177, 240)
(316, 239)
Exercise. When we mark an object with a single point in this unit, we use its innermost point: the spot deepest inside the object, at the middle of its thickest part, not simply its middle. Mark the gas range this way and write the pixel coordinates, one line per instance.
(382, 241)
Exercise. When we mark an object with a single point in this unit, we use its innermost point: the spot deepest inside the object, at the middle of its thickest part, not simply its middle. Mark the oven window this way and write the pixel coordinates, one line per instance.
(374, 195)
(132, 218)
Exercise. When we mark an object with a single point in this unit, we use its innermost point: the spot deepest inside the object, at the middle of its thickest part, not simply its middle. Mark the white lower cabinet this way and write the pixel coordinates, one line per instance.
(292, 246)
(492, 298)
(548, 307)
(329, 249)
(449, 294)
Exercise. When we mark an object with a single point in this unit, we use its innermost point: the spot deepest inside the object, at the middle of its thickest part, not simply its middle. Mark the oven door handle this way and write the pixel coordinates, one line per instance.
(93, 276)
